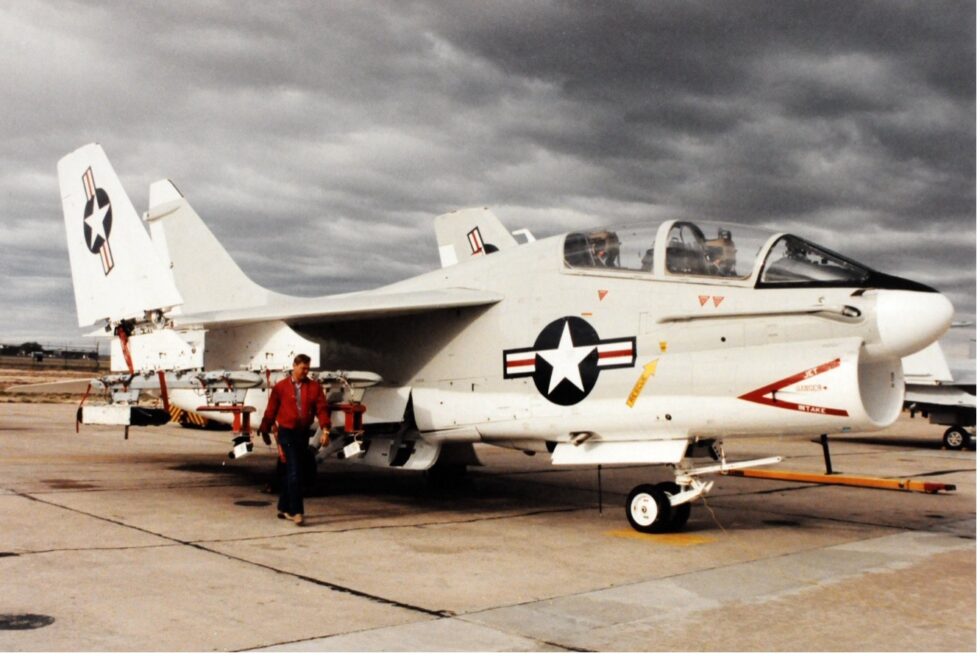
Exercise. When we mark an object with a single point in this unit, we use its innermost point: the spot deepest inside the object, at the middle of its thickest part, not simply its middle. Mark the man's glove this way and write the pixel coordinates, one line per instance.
(266, 438)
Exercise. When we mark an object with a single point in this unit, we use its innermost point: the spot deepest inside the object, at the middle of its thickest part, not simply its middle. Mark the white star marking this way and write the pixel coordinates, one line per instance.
(565, 360)
(96, 221)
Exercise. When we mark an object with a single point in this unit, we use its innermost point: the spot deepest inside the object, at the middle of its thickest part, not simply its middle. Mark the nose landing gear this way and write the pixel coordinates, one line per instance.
(657, 509)
(665, 507)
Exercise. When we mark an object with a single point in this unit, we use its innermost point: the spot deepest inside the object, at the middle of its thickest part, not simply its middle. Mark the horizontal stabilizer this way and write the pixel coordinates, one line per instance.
(75, 386)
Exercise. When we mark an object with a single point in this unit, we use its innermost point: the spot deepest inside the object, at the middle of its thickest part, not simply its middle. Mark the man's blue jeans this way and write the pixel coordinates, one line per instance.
(293, 443)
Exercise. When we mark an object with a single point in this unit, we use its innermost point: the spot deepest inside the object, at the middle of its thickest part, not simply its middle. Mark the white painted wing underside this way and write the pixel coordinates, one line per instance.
(940, 395)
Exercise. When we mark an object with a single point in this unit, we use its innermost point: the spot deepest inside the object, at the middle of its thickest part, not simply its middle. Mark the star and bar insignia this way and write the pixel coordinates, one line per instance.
(566, 359)
(97, 221)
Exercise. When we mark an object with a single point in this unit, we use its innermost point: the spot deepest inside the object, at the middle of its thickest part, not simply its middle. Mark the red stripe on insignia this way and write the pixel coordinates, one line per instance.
(615, 354)
(107, 261)
(520, 363)
(88, 183)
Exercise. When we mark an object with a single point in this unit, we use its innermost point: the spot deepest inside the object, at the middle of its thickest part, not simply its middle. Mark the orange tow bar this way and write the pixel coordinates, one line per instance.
(903, 485)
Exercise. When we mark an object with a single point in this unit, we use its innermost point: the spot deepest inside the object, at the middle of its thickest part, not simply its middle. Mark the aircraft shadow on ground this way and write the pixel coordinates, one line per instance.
(474, 494)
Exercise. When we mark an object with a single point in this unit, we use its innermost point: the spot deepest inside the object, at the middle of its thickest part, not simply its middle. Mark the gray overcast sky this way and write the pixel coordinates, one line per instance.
(319, 139)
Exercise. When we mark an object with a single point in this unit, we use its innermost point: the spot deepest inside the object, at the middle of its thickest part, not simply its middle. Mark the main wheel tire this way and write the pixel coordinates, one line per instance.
(648, 509)
(678, 514)
(956, 438)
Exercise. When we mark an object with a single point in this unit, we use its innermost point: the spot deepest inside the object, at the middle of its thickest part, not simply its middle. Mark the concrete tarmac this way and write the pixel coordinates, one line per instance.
(162, 543)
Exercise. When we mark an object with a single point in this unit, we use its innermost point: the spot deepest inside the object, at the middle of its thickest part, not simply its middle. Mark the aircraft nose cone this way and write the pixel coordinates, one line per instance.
(909, 321)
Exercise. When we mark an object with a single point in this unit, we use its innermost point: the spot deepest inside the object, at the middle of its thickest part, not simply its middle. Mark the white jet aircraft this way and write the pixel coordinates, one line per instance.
(943, 395)
(645, 344)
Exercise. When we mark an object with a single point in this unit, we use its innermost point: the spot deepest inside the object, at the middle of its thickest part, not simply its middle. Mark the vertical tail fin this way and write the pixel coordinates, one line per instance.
(115, 270)
(467, 233)
(206, 275)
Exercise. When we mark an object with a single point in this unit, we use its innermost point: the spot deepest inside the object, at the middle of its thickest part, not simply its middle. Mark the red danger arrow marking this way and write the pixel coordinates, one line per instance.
(766, 394)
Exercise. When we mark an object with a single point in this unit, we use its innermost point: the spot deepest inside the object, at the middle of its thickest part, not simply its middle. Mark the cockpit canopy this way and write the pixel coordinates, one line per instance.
(710, 250)
(794, 260)
(690, 252)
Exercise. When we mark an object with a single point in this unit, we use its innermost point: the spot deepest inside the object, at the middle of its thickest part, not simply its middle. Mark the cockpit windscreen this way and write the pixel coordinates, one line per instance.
(792, 260)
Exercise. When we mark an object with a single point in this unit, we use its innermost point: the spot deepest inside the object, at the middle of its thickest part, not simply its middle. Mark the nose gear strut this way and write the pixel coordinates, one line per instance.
(666, 506)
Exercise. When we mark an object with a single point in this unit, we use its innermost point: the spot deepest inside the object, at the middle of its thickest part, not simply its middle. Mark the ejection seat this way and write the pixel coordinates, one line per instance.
(578, 251)
(685, 258)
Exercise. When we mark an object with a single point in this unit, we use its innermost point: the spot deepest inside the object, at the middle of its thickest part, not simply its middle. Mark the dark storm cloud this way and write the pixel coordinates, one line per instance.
(318, 140)
(750, 91)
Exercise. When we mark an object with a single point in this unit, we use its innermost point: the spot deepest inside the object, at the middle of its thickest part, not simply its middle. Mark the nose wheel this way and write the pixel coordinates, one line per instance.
(649, 509)
(666, 507)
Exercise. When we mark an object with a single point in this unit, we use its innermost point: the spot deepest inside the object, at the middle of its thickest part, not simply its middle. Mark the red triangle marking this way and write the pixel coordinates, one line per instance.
(717, 300)
(766, 395)
(703, 299)
(602, 293)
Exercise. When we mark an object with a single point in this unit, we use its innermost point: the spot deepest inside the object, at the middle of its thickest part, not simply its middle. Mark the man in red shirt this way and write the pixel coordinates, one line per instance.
(293, 404)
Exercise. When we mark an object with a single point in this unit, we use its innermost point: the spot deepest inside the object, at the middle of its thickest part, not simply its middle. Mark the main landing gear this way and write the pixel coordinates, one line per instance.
(665, 507)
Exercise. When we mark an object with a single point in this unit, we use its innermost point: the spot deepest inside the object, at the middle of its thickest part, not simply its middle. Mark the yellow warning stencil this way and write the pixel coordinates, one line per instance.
(649, 369)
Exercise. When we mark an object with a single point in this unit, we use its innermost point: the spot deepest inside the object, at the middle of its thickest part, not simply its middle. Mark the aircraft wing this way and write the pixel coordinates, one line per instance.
(344, 307)
(927, 366)
(945, 395)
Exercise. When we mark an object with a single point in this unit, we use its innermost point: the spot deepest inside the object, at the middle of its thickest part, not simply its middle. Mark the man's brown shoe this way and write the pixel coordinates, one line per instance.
(298, 519)
(282, 515)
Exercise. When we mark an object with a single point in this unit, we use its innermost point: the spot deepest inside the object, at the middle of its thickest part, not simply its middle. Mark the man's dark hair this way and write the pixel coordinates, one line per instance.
(301, 358)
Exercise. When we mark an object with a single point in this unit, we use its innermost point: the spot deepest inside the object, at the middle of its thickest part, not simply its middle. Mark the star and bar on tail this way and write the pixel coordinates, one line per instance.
(98, 221)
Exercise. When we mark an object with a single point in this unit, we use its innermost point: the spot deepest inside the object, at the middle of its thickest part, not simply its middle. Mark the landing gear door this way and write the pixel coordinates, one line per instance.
(385, 405)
